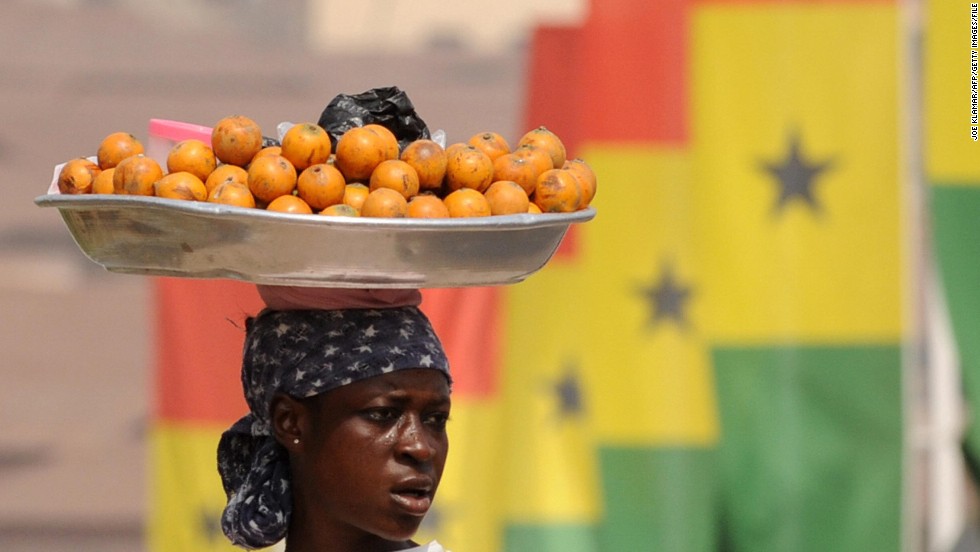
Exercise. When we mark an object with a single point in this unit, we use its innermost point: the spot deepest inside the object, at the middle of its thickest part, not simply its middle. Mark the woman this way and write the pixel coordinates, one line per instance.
(345, 442)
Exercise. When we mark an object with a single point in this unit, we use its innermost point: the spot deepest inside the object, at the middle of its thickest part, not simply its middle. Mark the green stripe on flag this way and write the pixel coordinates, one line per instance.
(550, 538)
(956, 228)
(658, 499)
(811, 447)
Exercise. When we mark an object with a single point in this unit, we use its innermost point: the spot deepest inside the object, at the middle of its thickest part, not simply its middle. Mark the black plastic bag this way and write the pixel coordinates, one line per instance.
(389, 107)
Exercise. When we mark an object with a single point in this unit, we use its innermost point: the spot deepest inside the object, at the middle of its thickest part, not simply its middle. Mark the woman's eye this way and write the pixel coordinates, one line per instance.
(438, 420)
(382, 414)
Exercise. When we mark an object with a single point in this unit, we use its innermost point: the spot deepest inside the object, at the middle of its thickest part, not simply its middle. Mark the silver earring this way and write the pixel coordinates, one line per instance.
(296, 441)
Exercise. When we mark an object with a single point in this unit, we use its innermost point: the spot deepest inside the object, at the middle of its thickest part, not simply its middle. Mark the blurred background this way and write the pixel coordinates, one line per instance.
(763, 342)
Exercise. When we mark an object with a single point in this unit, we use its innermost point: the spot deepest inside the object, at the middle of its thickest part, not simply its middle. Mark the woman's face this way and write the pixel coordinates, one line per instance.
(373, 454)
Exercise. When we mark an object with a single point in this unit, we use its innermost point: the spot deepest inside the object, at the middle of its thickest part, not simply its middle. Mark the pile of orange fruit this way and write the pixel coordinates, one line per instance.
(366, 174)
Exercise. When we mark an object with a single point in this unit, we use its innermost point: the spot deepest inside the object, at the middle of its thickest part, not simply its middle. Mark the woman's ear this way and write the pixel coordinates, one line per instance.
(288, 421)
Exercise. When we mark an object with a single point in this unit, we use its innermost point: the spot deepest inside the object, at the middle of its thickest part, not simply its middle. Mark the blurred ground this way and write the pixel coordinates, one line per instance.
(77, 341)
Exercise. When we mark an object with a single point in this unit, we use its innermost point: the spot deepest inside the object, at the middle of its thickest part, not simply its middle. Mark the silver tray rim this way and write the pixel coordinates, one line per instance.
(245, 214)
(268, 224)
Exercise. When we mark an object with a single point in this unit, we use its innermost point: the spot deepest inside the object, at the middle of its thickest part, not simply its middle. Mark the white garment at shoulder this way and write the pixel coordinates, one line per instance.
(430, 547)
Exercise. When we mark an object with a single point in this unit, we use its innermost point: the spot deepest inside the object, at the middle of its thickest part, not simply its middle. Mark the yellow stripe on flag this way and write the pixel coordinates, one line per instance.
(188, 497)
(468, 507)
(551, 473)
(647, 382)
(790, 100)
(952, 155)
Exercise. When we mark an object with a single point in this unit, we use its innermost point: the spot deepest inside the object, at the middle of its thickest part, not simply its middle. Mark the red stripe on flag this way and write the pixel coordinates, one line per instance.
(200, 332)
(568, 248)
(554, 81)
(468, 323)
(554, 97)
(790, 2)
(620, 78)
(634, 82)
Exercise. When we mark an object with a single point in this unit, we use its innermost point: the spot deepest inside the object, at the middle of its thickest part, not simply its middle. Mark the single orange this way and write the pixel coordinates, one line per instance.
(289, 204)
(468, 167)
(557, 191)
(507, 197)
(267, 150)
(391, 142)
(77, 176)
(306, 144)
(533, 209)
(271, 176)
(135, 175)
(193, 156)
(427, 206)
(103, 182)
(454, 147)
(384, 203)
(519, 169)
(490, 143)
(181, 185)
(321, 186)
(428, 159)
(467, 202)
(355, 193)
(359, 151)
(341, 210)
(226, 173)
(236, 139)
(536, 156)
(543, 138)
(397, 175)
(232, 193)
(116, 147)
(586, 179)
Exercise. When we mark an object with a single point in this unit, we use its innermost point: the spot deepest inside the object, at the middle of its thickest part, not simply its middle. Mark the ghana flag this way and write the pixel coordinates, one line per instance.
(952, 169)
(796, 152)
(715, 362)
(199, 336)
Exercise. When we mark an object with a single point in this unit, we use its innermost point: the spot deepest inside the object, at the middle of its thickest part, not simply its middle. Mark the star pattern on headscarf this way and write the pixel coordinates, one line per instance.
(299, 355)
(796, 175)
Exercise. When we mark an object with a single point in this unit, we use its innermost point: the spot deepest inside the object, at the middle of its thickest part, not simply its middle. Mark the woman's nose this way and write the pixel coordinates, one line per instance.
(414, 441)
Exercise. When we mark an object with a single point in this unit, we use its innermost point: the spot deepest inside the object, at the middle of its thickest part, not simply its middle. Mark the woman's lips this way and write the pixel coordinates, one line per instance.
(414, 503)
(414, 495)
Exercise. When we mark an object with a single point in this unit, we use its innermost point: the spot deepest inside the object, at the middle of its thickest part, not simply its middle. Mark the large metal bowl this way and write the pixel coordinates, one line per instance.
(157, 236)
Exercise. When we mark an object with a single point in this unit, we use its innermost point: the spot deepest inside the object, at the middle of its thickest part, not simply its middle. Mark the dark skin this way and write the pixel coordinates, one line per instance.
(367, 463)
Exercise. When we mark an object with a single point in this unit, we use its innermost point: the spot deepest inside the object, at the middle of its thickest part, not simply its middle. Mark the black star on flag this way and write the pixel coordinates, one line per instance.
(568, 392)
(668, 299)
(796, 175)
(435, 520)
(210, 524)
